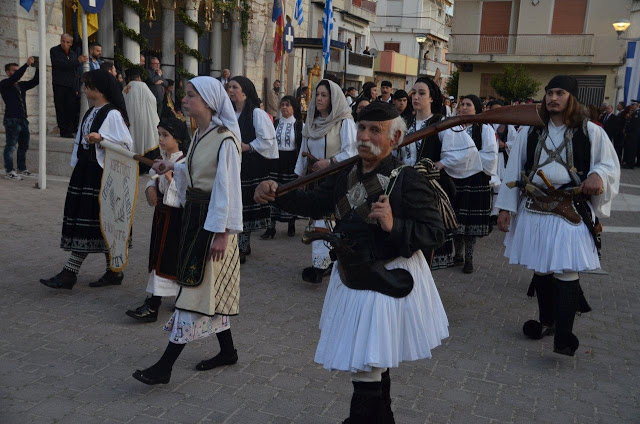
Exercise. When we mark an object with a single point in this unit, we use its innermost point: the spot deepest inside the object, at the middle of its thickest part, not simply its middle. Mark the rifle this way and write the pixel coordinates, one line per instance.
(511, 115)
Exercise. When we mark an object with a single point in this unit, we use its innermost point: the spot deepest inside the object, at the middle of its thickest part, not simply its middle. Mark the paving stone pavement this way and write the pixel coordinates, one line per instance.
(67, 356)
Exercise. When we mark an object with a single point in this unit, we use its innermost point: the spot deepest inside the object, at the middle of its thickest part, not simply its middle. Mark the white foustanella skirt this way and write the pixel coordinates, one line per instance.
(547, 243)
(361, 329)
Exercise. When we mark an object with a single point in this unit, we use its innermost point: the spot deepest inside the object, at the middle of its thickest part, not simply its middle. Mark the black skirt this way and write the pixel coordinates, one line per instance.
(443, 256)
(165, 239)
(255, 169)
(81, 222)
(282, 173)
(472, 205)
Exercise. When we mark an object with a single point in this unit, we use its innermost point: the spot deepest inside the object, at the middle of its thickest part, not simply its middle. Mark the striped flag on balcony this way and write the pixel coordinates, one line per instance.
(327, 27)
(632, 73)
(298, 14)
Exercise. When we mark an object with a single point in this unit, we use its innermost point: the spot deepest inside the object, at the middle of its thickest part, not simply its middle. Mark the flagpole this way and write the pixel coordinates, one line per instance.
(84, 105)
(281, 94)
(42, 98)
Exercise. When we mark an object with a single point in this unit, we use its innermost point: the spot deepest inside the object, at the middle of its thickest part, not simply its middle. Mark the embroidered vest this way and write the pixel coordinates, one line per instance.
(202, 157)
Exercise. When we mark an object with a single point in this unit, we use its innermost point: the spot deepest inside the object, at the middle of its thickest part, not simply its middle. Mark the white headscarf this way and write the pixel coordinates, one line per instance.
(318, 127)
(214, 95)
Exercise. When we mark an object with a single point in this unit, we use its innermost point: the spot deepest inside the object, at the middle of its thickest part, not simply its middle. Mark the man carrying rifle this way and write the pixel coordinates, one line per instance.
(382, 306)
(560, 178)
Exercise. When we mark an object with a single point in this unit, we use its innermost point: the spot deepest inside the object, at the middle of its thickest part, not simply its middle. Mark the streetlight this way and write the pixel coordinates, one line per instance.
(621, 26)
(421, 39)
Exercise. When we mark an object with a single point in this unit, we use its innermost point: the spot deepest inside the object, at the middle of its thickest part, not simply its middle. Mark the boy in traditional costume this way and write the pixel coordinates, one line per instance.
(382, 306)
(106, 119)
(566, 175)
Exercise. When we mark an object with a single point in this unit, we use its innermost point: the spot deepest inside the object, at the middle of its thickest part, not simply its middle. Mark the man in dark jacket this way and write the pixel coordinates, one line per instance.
(66, 85)
(156, 82)
(15, 116)
(613, 125)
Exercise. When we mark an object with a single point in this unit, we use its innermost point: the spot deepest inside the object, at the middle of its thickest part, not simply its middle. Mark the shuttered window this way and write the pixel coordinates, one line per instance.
(494, 27)
(392, 46)
(568, 16)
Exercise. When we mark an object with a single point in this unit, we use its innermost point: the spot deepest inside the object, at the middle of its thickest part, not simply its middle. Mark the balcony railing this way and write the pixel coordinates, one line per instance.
(363, 60)
(523, 44)
(431, 66)
(369, 6)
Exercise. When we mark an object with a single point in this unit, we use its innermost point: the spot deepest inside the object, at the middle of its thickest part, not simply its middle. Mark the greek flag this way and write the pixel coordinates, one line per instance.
(632, 73)
(327, 27)
(298, 14)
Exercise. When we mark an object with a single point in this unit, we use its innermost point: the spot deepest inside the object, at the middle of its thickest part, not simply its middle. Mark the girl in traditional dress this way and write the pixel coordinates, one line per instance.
(473, 192)
(289, 138)
(162, 193)
(106, 119)
(208, 185)
(359, 104)
(440, 148)
(329, 136)
(258, 146)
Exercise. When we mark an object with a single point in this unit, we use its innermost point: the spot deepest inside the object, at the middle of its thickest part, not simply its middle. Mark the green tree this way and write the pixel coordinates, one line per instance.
(452, 84)
(515, 83)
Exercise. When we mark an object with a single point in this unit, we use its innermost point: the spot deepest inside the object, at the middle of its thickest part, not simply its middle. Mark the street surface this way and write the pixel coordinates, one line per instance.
(67, 356)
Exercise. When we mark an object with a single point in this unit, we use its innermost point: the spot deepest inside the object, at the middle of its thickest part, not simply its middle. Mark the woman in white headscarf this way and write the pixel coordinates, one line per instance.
(329, 136)
(208, 185)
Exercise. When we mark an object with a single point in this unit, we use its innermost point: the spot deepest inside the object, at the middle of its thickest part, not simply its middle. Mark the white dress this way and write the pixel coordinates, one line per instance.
(225, 212)
(548, 243)
(361, 329)
(317, 146)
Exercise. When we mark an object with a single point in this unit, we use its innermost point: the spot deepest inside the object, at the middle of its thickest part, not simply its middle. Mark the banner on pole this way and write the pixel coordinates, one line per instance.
(118, 194)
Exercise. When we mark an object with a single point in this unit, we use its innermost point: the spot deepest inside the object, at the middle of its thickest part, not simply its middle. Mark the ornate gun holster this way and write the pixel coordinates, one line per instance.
(360, 270)
(558, 203)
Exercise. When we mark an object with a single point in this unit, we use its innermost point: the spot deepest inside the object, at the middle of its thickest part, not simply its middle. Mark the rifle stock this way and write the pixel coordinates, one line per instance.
(511, 115)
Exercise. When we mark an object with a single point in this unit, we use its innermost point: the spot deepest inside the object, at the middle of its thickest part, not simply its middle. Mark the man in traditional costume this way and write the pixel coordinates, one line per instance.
(143, 113)
(382, 306)
(208, 185)
(551, 225)
(81, 234)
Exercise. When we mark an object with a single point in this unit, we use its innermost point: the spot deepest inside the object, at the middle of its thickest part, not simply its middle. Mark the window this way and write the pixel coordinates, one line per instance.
(320, 29)
(568, 16)
(494, 27)
(486, 91)
(392, 46)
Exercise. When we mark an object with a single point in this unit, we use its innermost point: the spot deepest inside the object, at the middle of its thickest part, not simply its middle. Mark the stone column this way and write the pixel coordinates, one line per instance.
(237, 49)
(105, 29)
(131, 49)
(168, 39)
(191, 36)
(215, 46)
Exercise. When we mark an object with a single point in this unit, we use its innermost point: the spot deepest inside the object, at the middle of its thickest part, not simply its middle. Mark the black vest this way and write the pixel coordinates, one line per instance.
(581, 150)
(95, 127)
(431, 146)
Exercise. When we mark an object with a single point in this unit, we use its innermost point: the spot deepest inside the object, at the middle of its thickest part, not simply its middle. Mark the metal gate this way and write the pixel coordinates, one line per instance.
(591, 89)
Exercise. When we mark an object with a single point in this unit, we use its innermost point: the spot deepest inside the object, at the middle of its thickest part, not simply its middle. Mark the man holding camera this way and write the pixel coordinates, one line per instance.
(15, 121)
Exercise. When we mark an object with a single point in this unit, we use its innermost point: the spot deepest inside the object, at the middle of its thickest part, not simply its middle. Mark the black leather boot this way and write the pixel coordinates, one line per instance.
(109, 278)
(367, 404)
(65, 279)
(567, 298)
(386, 398)
(542, 287)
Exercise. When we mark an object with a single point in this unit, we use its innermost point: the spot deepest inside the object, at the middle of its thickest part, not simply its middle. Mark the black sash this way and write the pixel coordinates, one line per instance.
(194, 239)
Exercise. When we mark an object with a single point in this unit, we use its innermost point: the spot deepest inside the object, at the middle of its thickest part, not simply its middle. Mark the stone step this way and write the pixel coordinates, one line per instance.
(58, 154)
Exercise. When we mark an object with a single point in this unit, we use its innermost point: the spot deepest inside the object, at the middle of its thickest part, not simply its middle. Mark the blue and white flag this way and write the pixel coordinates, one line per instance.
(26, 4)
(327, 27)
(632, 73)
(298, 14)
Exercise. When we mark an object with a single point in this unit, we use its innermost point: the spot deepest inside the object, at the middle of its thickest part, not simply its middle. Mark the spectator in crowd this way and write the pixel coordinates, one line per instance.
(143, 60)
(109, 67)
(66, 85)
(385, 88)
(403, 105)
(370, 91)
(352, 94)
(302, 90)
(613, 124)
(593, 114)
(366, 51)
(631, 138)
(156, 83)
(273, 100)
(15, 120)
(95, 56)
(619, 107)
(225, 77)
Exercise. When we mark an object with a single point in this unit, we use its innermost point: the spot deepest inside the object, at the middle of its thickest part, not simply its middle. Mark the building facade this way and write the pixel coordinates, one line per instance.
(549, 37)
(411, 33)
